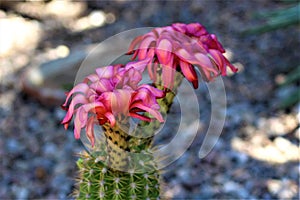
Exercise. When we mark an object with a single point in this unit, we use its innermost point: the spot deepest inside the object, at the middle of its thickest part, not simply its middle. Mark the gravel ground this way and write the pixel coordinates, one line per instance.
(257, 155)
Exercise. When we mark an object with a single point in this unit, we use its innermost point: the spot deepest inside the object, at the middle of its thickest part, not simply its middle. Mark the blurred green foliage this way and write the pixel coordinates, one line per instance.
(280, 19)
(294, 96)
(277, 19)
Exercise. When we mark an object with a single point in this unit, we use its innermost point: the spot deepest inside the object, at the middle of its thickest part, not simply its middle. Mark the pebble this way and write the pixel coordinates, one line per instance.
(14, 146)
(50, 150)
(57, 181)
(232, 187)
(21, 193)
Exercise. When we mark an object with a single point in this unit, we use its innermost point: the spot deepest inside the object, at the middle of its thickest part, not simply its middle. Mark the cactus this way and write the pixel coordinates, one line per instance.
(97, 181)
(122, 165)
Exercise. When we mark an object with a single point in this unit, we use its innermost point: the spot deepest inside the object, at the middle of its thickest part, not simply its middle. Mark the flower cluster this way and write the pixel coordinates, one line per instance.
(180, 47)
(111, 92)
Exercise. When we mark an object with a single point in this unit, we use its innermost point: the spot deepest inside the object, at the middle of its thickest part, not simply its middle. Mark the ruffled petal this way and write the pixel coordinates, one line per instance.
(151, 111)
(189, 73)
(79, 122)
(111, 118)
(219, 60)
(138, 116)
(80, 88)
(77, 100)
(204, 62)
(134, 43)
(143, 48)
(90, 130)
(154, 91)
(91, 78)
(168, 73)
(164, 51)
(106, 72)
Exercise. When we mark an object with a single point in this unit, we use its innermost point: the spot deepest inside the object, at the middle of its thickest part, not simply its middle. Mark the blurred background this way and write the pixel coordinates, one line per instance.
(257, 155)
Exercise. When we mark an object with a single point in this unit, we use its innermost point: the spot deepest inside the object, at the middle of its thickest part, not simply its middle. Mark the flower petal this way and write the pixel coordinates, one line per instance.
(143, 48)
(164, 51)
(154, 91)
(90, 130)
(134, 43)
(204, 62)
(219, 60)
(138, 116)
(80, 88)
(189, 73)
(111, 118)
(151, 111)
(78, 99)
(168, 73)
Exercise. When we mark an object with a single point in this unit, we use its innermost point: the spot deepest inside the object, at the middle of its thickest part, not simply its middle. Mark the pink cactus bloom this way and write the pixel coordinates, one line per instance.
(110, 92)
(181, 47)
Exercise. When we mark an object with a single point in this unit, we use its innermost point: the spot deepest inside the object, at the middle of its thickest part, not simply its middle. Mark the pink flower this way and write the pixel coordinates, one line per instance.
(181, 46)
(110, 92)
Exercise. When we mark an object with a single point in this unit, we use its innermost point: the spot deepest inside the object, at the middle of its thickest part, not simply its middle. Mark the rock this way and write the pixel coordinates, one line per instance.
(50, 150)
(284, 189)
(14, 146)
(65, 9)
(232, 187)
(18, 35)
(61, 184)
(189, 177)
(239, 157)
(21, 193)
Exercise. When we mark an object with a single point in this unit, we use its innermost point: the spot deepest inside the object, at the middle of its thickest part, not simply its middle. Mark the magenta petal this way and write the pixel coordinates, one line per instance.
(78, 99)
(141, 117)
(120, 101)
(203, 61)
(111, 118)
(185, 55)
(79, 122)
(143, 48)
(135, 54)
(80, 88)
(106, 72)
(77, 130)
(102, 86)
(138, 65)
(151, 111)
(233, 68)
(150, 70)
(90, 130)
(135, 42)
(196, 29)
(90, 107)
(179, 27)
(154, 91)
(164, 51)
(189, 73)
(168, 73)
(219, 60)
(91, 78)
(217, 43)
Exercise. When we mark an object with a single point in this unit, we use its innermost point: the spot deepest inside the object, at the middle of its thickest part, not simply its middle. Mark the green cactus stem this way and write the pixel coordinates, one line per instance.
(97, 181)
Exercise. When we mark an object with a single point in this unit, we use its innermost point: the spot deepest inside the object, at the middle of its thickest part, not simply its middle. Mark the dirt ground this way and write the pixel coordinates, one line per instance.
(257, 155)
